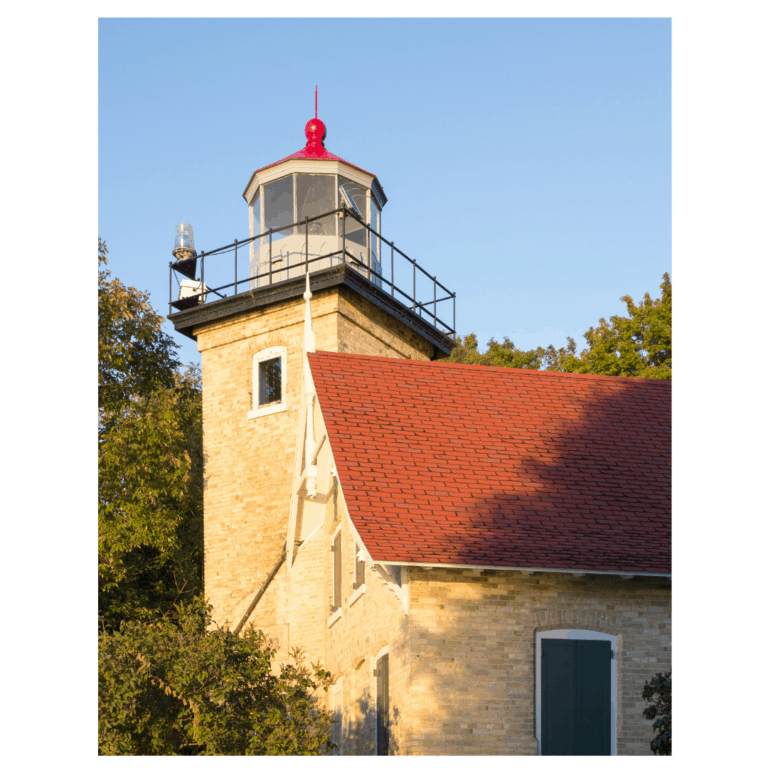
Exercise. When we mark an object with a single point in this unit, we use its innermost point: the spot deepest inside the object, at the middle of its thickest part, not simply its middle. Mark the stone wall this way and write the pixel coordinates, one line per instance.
(249, 463)
(374, 620)
(473, 648)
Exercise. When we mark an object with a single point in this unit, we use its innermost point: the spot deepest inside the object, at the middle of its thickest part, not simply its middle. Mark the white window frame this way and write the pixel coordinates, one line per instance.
(259, 357)
(578, 634)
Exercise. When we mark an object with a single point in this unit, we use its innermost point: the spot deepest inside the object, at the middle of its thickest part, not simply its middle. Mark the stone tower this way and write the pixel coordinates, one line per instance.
(311, 212)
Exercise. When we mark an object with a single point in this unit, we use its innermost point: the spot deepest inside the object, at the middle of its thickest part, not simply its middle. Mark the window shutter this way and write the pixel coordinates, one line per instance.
(359, 568)
(382, 705)
(337, 572)
(338, 701)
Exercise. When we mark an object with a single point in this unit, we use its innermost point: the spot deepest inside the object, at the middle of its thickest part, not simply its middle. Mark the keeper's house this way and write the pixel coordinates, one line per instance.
(482, 556)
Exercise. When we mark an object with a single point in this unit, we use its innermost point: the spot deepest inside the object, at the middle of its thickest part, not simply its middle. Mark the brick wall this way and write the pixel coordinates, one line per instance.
(374, 620)
(249, 462)
(473, 646)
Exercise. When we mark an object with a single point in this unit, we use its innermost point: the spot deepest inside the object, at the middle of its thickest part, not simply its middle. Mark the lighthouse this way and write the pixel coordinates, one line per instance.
(314, 222)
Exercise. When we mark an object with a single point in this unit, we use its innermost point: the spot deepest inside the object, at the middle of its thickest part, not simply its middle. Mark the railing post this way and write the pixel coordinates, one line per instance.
(270, 255)
(392, 264)
(454, 314)
(344, 233)
(306, 244)
(434, 296)
(202, 276)
(235, 266)
(414, 285)
(170, 285)
(370, 252)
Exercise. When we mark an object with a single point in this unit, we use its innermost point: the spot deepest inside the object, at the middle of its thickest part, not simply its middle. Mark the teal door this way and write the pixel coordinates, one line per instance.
(575, 697)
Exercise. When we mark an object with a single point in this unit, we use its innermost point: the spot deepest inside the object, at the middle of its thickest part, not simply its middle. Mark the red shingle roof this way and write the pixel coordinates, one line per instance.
(474, 465)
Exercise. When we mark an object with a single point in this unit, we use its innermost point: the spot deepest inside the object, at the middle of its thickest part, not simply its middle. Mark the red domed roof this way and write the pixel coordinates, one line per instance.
(315, 132)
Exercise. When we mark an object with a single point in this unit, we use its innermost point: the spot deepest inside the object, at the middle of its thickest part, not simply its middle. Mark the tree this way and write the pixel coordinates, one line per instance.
(171, 687)
(168, 683)
(659, 692)
(150, 460)
(639, 345)
(504, 354)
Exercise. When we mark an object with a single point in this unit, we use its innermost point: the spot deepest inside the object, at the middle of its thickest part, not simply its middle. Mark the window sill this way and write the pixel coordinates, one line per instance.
(334, 617)
(358, 593)
(267, 410)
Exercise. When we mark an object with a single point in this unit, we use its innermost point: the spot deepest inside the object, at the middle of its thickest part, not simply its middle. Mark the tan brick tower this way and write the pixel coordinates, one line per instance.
(311, 212)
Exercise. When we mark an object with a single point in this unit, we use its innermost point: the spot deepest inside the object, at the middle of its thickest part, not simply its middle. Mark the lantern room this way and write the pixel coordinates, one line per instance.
(287, 200)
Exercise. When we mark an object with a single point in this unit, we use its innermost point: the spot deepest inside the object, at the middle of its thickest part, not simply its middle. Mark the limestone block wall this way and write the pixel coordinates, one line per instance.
(472, 637)
(364, 329)
(375, 620)
(249, 463)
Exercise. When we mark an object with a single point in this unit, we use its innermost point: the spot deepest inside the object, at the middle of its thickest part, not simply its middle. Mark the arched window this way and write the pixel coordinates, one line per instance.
(576, 692)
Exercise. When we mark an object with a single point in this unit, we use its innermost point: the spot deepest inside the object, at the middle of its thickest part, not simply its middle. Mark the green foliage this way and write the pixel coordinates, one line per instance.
(659, 693)
(150, 460)
(505, 354)
(169, 687)
(639, 345)
(168, 683)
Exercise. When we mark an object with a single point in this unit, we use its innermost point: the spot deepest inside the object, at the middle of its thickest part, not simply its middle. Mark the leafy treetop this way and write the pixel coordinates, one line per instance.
(638, 345)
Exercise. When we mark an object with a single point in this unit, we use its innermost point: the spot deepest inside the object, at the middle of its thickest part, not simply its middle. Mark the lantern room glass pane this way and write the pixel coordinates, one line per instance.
(278, 205)
(355, 232)
(314, 195)
(375, 228)
(256, 205)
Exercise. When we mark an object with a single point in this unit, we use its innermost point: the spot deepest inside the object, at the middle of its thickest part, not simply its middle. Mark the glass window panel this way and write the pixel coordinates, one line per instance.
(375, 227)
(257, 215)
(270, 381)
(355, 232)
(314, 195)
(278, 205)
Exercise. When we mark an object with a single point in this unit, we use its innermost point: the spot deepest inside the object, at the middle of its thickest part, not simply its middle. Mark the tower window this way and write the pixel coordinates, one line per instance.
(269, 382)
(270, 389)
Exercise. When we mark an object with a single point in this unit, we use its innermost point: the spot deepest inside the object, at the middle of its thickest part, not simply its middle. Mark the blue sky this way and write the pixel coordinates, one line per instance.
(527, 162)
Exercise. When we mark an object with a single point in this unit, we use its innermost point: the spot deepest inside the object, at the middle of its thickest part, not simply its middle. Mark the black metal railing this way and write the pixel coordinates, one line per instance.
(372, 269)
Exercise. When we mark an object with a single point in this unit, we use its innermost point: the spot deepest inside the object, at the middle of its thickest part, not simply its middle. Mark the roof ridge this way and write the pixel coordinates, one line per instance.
(470, 367)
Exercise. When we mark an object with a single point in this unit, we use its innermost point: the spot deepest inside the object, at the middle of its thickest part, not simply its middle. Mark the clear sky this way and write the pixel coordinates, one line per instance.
(527, 162)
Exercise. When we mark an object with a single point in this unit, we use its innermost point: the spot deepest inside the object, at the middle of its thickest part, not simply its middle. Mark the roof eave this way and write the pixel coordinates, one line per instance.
(375, 183)
(525, 569)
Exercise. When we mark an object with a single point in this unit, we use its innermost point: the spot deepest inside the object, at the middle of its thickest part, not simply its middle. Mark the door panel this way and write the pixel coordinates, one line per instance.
(593, 688)
(575, 697)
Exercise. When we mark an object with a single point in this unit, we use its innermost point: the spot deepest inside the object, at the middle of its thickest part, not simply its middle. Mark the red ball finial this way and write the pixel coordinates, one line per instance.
(315, 133)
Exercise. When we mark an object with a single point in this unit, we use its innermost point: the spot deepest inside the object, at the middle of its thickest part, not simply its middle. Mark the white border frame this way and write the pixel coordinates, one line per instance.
(268, 354)
(578, 634)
